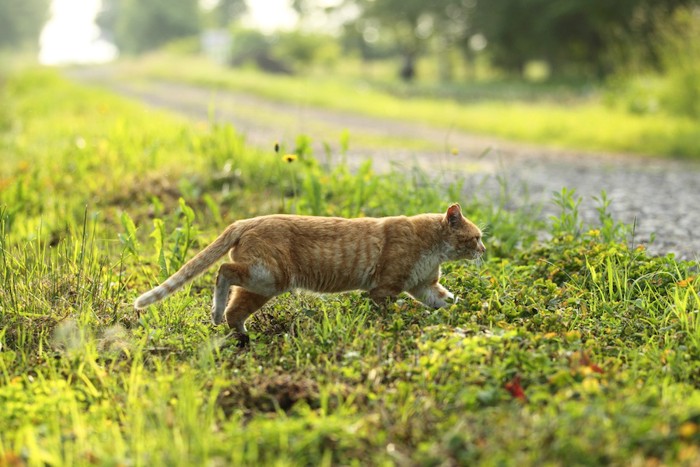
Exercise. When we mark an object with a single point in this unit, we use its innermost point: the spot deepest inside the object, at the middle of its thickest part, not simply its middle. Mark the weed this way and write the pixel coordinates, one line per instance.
(567, 222)
(576, 349)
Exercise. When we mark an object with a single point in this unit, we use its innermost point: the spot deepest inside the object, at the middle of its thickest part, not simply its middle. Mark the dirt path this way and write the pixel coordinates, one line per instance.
(662, 196)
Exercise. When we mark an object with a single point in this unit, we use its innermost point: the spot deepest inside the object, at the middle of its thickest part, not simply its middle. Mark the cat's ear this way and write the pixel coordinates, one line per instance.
(454, 215)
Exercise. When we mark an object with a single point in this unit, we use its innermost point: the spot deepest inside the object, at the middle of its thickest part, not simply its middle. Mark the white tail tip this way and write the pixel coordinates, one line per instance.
(142, 302)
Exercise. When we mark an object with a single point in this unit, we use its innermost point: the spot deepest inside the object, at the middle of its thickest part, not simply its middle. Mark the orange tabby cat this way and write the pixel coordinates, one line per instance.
(274, 254)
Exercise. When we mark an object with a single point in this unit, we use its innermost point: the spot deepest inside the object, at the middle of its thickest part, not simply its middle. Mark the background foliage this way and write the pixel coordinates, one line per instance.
(644, 53)
(21, 22)
(137, 27)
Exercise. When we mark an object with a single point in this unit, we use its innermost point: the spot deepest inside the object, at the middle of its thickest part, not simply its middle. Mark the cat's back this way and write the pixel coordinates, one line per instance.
(326, 254)
(286, 225)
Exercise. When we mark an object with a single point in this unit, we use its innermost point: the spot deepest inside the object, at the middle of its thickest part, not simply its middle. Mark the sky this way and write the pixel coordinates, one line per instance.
(71, 36)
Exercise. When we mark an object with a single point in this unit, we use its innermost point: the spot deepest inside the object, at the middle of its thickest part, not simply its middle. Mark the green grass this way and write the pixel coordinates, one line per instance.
(576, 350)
(569, 121)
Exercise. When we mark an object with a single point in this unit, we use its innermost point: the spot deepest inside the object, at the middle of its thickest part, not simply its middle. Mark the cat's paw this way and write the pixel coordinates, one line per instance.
(243, 341)
(451, 298)
(442, 302)
(433, 301)
(448, 297)
(439, 297)
(238, 339)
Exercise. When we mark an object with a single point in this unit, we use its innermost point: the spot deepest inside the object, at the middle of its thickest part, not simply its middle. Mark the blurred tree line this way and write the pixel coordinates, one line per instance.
(586, 39)
(646, 51)
(571, 37)
(135, 26)
(21, 22)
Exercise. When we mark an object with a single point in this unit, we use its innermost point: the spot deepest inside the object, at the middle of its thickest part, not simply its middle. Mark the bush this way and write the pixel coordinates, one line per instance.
(250, 46)
(283, 52)
(303, 49)
(680, 54)
(635, 94)
(190, 45)
(675, 87)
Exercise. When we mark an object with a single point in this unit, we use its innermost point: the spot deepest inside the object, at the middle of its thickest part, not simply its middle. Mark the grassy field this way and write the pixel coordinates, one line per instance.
(579, 349)
(537, 113)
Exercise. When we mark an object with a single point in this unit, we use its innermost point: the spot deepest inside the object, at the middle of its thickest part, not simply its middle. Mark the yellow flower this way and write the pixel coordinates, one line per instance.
(686, 282)
(590, 385)
(688, 429)
(289, 158)
(454, 151)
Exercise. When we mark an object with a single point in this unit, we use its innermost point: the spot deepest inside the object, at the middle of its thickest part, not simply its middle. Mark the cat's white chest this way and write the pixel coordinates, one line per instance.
(425, 269)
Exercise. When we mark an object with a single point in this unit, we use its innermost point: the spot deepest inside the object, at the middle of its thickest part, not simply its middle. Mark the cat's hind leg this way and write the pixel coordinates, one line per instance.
(230, 274)
(243, 303)
(255, 278)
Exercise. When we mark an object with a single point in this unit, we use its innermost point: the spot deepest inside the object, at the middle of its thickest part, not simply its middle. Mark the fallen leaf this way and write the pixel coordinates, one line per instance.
(515, 389)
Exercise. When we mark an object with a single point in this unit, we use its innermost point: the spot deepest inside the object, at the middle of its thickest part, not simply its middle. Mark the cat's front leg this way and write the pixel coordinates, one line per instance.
(434, 295)
(384, 296)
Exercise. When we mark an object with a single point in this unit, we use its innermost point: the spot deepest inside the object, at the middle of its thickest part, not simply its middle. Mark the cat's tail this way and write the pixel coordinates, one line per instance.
(193, 268)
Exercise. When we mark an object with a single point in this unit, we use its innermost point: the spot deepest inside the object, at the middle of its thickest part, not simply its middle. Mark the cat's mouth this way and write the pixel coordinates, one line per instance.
(467, 253)
(472, 254)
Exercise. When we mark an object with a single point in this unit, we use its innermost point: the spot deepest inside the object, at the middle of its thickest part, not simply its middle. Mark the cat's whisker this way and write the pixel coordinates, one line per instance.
(485, 228)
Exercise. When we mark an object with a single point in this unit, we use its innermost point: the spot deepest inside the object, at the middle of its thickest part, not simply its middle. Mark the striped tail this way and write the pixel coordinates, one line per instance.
(193, 268)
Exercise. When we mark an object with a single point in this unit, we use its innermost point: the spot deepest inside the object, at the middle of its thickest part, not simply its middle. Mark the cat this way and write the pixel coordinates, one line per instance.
(278, 253)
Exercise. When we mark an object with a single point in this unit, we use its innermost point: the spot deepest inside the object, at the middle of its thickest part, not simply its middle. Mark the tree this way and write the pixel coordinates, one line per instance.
(302, 49)
(136, 26)
(21, 22)
(252, 46)
(106, 19)
(570, 34)
(411, 23)
(575, 37)
(225, 12)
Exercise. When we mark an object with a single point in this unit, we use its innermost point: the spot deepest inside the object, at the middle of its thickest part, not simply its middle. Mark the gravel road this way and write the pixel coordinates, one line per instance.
(661, 196)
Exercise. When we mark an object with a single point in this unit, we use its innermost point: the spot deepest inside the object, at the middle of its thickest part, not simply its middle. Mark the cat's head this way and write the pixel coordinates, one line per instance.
(462, 236)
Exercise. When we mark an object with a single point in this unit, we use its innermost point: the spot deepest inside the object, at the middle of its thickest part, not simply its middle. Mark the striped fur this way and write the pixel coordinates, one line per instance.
(274, 254)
